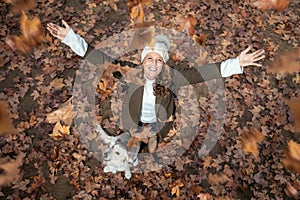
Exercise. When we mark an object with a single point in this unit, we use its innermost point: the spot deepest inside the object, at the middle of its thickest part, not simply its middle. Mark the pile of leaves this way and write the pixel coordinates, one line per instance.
(43, 154)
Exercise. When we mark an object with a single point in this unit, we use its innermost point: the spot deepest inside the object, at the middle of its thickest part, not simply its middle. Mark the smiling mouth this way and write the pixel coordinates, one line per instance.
(152, 69)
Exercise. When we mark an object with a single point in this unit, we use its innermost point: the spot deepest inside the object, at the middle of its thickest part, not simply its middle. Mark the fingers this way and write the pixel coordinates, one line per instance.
(247, 50)
(65, 24)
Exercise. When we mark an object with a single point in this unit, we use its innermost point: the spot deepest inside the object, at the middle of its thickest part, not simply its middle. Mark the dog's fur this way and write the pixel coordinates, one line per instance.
(118, 156)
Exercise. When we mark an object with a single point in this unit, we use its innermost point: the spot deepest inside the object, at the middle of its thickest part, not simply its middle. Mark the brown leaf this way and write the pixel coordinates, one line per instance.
(187, 24)
(11, 171)
(32, 35)
(287, 63)
(217, 178)
(292, 191)
(250, 140)
(113, 5)
(38, 181)
(64, 114)
(294, 104)
(271, 4)
(6, 125)
(60, 131)
(292, 159)
(200, 39)
(57, 83)
(176, 188)
(136, 10)
(21, 5)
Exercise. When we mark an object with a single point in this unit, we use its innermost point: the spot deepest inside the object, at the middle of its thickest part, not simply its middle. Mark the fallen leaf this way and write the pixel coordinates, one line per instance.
(64, 114)
(200, 39)
(57, 83)
(59, 131)
(176, 188)
(250, 140)
(6, 125)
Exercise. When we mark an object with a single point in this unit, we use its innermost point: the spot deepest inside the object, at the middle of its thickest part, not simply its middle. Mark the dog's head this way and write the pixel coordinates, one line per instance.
(119, 155)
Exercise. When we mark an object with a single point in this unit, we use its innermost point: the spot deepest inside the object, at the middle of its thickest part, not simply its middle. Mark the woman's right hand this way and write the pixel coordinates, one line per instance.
(58, 31)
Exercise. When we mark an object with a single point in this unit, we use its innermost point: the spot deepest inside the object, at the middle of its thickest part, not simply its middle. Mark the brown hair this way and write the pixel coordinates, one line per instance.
(162, 82)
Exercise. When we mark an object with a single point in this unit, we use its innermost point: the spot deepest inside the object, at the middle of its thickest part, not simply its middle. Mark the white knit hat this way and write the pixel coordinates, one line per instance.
(161, 46)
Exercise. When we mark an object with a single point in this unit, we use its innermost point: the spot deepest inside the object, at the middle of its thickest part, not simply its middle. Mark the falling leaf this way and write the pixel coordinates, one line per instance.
(217, 178)
(11, 171)
(21, 5)
(136, 10)
(250, 140)
(292, 157)
(113, 5)
(200, 39)
(60, 131)
(271, 4)
(187, 24)
(32, 35)
(293, 190)
(64, 114)
(6, 125)
(143, 35)
(287, 63)
(294, 105)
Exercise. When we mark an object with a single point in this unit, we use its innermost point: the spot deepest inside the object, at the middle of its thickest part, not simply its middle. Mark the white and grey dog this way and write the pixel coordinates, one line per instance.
(119, 157)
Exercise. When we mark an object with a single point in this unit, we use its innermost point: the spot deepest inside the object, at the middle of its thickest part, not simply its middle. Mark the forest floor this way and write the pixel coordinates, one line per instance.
(56, 163)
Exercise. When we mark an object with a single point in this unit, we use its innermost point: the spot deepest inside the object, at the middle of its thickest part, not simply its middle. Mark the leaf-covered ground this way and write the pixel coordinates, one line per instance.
(47, 160)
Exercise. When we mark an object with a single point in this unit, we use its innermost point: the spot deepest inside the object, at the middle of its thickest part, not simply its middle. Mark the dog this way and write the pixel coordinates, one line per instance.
(119, 157)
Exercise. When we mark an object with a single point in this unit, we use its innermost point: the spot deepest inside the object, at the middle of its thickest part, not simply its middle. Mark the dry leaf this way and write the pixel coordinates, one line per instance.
(269, 4)
(287, 63)
(32, 35)
(294, 104)
(143, 35)
(57, 83)
(60, 131)
(21, 5)
(136, 10)
(11, 171)
(6, 125)
(64, 114)
(217, 178)
(200, 39)
(176, 188)
(250, 140)
(113, 5)
(292, 157)
(187, 24)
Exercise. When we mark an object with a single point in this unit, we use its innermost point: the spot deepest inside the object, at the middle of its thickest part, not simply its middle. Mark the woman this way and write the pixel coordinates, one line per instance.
(153, 102)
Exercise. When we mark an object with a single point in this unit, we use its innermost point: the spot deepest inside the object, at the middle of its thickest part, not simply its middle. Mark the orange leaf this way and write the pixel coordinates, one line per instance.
(187, 24)
(11, 171)
(287, 63)
(6, 125)
(249, 142)
(60, 131)
(294, 104)
(21, 5)
(32, 35)
(292, 157)
(200, 39)
(269, 4)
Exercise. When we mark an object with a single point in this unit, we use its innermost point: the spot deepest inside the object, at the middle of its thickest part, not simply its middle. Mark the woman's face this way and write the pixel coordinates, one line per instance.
(153, 64)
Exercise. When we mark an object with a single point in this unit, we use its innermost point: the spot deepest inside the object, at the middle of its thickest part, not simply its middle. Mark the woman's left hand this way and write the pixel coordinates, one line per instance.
(251, 58)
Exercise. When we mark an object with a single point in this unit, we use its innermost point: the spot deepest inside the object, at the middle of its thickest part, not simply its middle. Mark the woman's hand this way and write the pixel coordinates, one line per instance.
(58, 31)
(251, 58)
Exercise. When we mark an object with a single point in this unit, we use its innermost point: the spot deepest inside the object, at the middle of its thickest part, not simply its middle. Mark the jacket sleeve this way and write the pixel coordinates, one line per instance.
(185, 76)
(83, 49)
